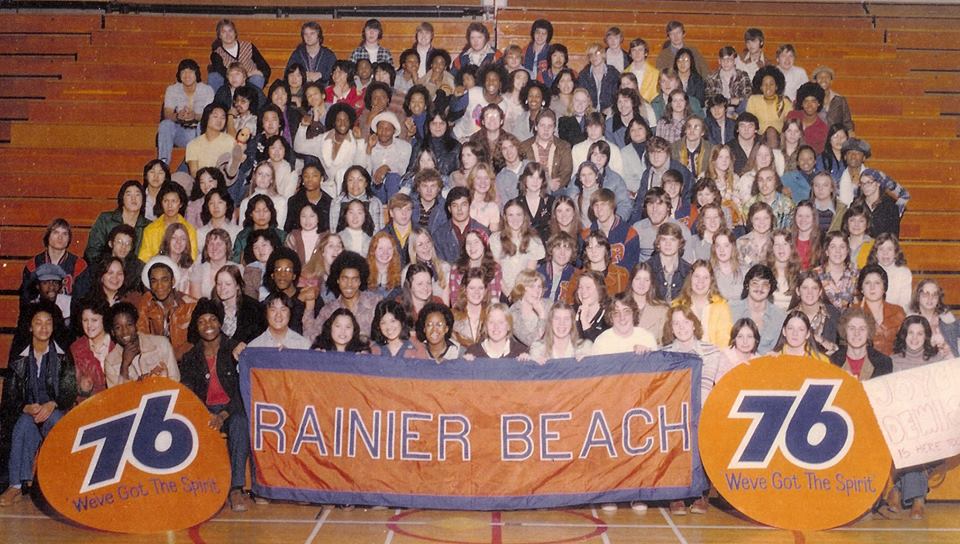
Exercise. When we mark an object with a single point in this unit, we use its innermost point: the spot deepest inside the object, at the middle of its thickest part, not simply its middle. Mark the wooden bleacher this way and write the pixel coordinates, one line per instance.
(80, 92)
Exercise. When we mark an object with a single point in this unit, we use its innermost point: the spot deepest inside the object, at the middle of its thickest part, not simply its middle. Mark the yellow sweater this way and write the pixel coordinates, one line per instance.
(153, 236)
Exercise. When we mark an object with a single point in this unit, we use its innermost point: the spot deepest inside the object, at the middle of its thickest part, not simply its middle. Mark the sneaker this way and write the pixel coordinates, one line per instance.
(257, 499)
(894, 502)
(639, 507)
(12, 496)
(699, 506)
(378, 508)
(677, 508)
(609, 507)
(238, 503)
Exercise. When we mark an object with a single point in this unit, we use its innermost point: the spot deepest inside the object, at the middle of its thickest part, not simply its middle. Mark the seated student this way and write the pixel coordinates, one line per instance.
(390, 335)
(692, 150)
(746, 142)
(625, 334)
(260, 215)
(783, 259)
(210, 371)
(278, 307)
(872, 286)
(370, 48)
(408, 75)
(831, 160)
(493, 79)
(56, 244)
(164, 311)
(428, 206)
(676, 34)
(752, 247)
(590, 298)
(497, 340)
(316, 59)
(600, 154)
(794, 76)
(227, 49)
(856, 225)
(857, 354)
(810, 97)
(170, 207)
(928, 302)
(536, 56)
(634, 154)
(768, 102)
(614, 55)
(602, 218)
(572, 128)
(668, 268)
(47, 281)
(830, 211)
(212, 142)
(756, 303)
(647, 75)
(348, 281)
(384, 261)
(629, 106)
(89, 352)
(437, 79)
(837, 272)
(336, 149)
(561, 338)
(136, 355)
(385, 152)
(435, 329)
(492, 131)
(884, 215)
(799, 182)
(658, 157)
(721, 129)
(342, 88)
(670, 82)
(768, 188)
(823, 317)
(708, 224)
(534, 99)
(39, 389)
(729, 81)
(656, 209)
(558, 268)
(341, 333)
(183, 104)
(129, 211)
(671, 124)
(835, 109)
(887, 253)
(449, 236)
(751, 58)
(550, 75)
(545, 148)
(690, 79)
(469, 303)
(599, 78)
(796, 337)
(243, 318)
(598, 256)
(764, 156)
(725, 262)
(700, 294)
(478, 50)
(226, 95)
(356, 186)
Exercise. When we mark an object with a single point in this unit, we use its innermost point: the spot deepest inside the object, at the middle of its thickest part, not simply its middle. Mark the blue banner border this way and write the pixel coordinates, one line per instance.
(481, 370)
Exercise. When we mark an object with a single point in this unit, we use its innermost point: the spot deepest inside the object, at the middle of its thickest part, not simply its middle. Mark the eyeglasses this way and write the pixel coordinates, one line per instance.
(283, 270)
(759, 283)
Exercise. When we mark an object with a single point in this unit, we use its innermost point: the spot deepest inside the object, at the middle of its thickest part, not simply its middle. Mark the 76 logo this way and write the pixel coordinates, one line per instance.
(150, 437)
(803, 425)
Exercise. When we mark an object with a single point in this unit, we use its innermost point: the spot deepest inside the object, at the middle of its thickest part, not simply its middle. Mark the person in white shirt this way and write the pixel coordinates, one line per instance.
(795, 75)
(278, 335)
(625, 334)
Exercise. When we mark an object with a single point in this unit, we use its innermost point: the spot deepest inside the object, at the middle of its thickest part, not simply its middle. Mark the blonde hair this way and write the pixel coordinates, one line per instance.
(491, 194)
(525, 280)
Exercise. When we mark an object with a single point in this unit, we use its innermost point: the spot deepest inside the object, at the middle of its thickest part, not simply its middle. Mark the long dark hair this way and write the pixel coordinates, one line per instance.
(325, 340)
(900, 343)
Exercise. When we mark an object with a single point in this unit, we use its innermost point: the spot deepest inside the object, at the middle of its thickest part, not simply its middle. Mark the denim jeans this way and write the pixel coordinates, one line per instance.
(170, 135)
(913, 484)
(27, 437)
(238, 445)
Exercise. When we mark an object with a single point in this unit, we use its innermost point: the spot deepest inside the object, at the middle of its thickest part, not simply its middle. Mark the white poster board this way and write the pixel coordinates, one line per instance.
(918, 411)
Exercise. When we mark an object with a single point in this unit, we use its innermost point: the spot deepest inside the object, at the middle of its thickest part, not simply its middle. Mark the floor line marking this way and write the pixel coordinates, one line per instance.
(676, 530)
(389, 539)
(320, 522)
(603, 536)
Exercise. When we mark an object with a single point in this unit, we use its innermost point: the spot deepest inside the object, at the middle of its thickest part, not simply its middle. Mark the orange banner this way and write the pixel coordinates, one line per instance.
(473, 435)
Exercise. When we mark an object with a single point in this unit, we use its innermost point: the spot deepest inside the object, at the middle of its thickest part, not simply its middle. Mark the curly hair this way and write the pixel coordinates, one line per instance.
(393, 268)
(344, 261)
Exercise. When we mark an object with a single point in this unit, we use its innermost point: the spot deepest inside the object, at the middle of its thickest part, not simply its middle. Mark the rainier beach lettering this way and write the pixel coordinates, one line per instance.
(391, 435)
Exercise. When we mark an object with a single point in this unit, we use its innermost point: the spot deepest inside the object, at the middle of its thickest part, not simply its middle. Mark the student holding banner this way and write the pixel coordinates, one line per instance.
(682, 334)
(434, 329)
(796, 337)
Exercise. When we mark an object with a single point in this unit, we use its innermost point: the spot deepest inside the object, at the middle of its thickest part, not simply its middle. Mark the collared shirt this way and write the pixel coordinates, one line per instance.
(154, 350)
(839, 292)
(290, 340)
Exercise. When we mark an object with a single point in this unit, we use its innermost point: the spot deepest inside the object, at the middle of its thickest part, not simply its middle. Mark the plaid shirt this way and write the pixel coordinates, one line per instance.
(383, 55)
(740, 86)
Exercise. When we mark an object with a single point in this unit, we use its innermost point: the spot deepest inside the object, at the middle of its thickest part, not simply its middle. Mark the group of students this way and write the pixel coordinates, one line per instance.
(492, 204)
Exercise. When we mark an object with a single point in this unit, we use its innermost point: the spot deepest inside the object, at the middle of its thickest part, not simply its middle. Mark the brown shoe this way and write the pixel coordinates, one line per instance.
(699, 506)
(12, 496)
(237, 500)
(916, 511)
(677, 508)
